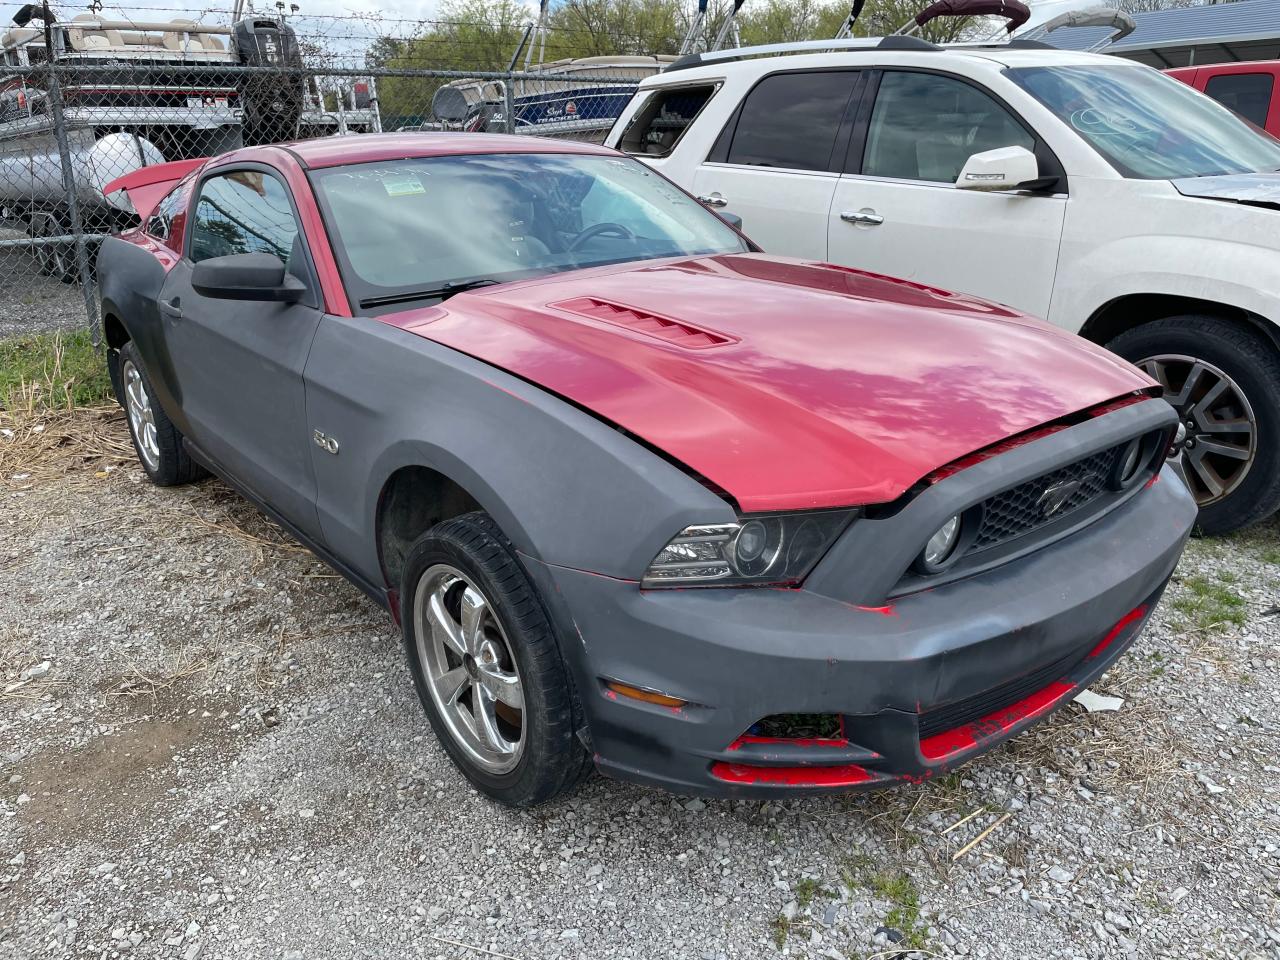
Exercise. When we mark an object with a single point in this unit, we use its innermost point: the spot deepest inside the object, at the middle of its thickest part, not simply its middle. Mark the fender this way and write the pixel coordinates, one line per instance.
(130, 277)
(393, 399)
(1236, 274)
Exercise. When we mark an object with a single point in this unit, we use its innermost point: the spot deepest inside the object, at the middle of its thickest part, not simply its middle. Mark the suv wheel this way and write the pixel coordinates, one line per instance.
(1224, 381)
(486, 664)
(157, 442)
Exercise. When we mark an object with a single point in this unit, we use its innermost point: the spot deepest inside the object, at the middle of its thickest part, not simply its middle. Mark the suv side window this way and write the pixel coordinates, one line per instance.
(925, 126)
(658, 125)
(247, 211)
(1248, 94)
(791, 120)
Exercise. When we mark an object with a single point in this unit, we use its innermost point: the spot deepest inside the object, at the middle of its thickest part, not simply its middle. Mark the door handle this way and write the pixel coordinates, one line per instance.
(862, 216)
(172, 307)
(713, 200)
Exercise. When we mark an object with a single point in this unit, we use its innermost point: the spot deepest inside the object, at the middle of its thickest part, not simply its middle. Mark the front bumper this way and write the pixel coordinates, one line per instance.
(1040, 628)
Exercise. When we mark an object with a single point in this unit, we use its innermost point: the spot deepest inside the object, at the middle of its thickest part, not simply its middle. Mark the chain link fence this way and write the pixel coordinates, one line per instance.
(121, 100)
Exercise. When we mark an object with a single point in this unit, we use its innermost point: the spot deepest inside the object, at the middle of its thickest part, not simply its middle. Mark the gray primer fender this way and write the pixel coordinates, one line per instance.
(566, 488)
(129, 282)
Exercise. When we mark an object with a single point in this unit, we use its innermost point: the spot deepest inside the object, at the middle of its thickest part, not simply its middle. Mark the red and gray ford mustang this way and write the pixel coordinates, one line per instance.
(642, 498)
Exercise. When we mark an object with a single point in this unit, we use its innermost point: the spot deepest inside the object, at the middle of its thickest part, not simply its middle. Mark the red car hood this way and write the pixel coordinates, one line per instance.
(788, 384)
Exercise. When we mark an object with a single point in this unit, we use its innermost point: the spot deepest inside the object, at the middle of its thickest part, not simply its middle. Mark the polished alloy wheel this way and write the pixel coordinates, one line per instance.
(141, 416)
(1217, 438)
(470, 671)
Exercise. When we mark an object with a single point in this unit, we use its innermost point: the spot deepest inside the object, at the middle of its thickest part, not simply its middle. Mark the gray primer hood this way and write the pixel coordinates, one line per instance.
(1253, 188)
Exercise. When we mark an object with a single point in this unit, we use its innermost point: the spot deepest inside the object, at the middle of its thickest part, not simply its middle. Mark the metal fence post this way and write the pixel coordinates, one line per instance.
(509, 102)
(73, 202)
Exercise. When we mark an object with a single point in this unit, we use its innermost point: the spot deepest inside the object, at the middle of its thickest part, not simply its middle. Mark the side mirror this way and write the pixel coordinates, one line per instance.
(1008, 168)
(247, 276)
(732, 219)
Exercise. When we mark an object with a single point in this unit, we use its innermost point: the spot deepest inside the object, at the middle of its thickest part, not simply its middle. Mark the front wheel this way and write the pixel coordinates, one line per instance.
(486, 664)
(1224, 381)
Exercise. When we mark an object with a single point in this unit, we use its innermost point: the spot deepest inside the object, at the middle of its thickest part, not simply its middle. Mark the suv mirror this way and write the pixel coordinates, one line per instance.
(1007, 168)
(247, 276)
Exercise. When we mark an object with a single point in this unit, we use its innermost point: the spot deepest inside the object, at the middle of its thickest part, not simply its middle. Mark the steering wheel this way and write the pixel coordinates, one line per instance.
(600, 230)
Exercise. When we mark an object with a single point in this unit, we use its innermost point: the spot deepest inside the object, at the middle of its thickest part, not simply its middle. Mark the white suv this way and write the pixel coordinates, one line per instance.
(1098, 193)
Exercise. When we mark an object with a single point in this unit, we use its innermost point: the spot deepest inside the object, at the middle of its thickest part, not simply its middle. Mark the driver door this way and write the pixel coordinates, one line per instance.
(238, 364)
(898, 212)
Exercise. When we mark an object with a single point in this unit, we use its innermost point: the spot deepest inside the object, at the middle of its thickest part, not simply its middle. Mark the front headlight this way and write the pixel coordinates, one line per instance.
(778, 549)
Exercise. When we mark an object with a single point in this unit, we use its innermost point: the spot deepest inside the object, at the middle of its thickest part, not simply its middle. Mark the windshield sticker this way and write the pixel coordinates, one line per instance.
(405, 186)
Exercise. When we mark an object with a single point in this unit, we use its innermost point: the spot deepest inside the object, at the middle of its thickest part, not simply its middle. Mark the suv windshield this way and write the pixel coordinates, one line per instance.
(419, 229)
(1149, 126)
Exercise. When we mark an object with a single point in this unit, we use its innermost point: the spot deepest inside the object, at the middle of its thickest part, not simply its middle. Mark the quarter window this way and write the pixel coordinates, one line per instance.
(791, 120)
(1248, 94)
(246, 211)
(924, 127)
(166, 223)
(658, 125)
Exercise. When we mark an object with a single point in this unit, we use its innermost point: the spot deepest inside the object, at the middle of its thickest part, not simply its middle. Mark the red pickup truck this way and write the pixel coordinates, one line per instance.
(1247, 88)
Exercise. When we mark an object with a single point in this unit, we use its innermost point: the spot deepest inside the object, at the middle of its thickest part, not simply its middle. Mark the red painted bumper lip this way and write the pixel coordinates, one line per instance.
(941, 752)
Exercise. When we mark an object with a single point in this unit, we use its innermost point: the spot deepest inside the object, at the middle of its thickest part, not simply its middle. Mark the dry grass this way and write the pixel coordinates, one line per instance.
(1134, 747)
(86, 445)
(77, 445)
(143, 680)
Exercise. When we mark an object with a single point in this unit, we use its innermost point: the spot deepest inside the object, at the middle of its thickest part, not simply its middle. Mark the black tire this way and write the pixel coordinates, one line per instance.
(552, 761)
(45, 261)
(170, 464)
(1253, 363)
(55, 260)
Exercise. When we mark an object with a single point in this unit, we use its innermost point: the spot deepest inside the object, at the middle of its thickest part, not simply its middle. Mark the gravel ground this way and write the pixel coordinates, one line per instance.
(33, 303)
(211, 749)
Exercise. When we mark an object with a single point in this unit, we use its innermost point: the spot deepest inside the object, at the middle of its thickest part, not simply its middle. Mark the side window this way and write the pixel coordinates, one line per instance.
(660, 123)
(243, 212)
(1248, 94)
(791, 120)
(924, 127)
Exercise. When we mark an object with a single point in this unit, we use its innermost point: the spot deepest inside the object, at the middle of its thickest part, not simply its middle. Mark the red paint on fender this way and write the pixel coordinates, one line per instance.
(835, 387)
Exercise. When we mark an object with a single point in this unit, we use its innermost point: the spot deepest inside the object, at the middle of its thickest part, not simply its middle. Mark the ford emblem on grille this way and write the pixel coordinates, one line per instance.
(1055, 497)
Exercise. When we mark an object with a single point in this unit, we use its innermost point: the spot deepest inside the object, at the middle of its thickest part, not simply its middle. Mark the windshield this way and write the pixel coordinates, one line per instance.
(408, 230)
(1149, 126)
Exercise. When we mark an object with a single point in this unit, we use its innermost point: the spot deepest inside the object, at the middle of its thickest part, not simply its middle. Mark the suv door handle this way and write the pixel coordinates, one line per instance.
(862, 216)
(713, 200)
(172, 307)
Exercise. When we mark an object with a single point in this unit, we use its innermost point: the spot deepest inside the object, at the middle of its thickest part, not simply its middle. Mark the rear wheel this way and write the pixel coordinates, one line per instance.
(1224, 381)
(486, 664)
(157, 442)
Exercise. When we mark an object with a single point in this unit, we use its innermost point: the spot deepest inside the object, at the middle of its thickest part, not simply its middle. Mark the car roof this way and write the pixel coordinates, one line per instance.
(374, 147)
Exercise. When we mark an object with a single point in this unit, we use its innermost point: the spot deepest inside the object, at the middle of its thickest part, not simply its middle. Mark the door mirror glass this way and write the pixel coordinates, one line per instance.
(1006, 168)
(246, 276)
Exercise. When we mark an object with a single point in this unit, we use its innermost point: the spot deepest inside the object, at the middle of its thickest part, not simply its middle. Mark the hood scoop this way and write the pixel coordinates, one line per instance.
(676, 332)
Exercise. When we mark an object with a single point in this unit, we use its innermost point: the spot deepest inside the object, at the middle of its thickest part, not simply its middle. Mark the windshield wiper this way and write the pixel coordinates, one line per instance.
(442, 292)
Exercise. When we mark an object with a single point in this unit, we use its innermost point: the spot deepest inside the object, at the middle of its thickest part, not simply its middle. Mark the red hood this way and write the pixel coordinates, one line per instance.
(788, 384)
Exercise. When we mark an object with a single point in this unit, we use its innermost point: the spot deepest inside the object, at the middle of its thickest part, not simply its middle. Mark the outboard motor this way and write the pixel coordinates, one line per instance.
(270, 104)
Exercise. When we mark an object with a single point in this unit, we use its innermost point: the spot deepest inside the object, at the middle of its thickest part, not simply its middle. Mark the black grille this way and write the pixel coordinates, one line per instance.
(957, 714)
(1020, 510)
